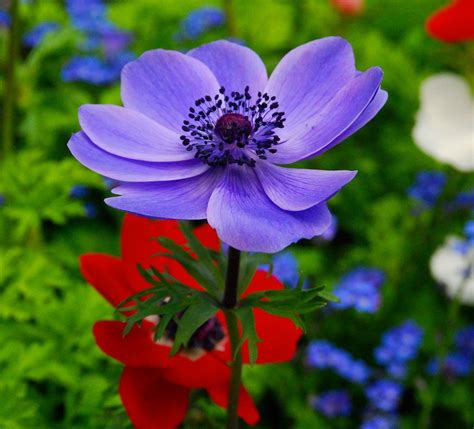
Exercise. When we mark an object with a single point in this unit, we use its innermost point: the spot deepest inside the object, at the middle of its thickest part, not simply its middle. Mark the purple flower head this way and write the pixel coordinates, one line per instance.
(398, 346)
(324, 355)
(4, 19)
(333, 403)
(203, 134)
(36, 36)
(384, 394)
(199, 21)
(464, 341)
(115, 41)
(79, 191)
(330, 233)
(379, 422)
(454, 365)
(428, 187)
(360, 289)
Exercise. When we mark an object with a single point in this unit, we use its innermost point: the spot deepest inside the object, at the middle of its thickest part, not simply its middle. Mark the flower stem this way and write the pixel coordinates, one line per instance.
(229, 302)
(10, 83)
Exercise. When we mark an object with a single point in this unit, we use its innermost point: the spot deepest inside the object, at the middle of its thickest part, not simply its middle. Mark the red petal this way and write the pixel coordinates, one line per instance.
(263, 281)
(152, 402)
(247, 409)
(106, 274)
(136, 349)
(453, 23)
(204, 372)
(208, 237)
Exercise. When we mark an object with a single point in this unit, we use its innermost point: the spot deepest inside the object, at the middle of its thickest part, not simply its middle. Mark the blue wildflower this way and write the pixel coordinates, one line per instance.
(285, 268)
(384, 394)
(324, 355)
(90, 210)
(198, 21)
(79, 191)
(454, 365)
(464, 341)
(360, 289)
(2, 200)
(428, 187)
(88, 15)
(37, 34)
(463, 200)
(398, 346)
(379, 422)
(333, 403)
(87, 68)
(4, 19)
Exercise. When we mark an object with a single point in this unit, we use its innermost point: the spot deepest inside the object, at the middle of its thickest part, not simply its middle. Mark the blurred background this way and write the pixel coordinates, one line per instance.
(397, 351)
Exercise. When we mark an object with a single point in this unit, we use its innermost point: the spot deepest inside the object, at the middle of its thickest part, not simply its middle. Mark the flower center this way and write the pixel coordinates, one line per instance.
(232, 129)
(207, 336)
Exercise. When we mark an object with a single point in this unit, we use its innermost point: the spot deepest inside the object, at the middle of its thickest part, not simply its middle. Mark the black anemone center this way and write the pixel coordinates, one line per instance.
(206, 337)
(233, 127)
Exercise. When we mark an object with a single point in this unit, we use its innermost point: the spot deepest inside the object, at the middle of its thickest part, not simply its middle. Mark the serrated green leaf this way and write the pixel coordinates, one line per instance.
(249, 333)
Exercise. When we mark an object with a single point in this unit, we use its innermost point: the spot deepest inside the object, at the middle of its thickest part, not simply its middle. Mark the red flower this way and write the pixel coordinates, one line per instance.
(348, 7)
(453, 23)
(155, 387)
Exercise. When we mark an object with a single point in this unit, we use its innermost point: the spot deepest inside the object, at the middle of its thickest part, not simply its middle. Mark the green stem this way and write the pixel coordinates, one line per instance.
(10, 84)
(229, 302)
(231, 22)
(452, 320)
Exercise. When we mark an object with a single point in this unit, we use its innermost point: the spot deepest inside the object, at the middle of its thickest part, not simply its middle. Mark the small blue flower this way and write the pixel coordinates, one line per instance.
(37, 34)
(79, 191)
(88, 15)
(379, 422)
(454, 365)
(2, 200)
(285, 268)
(360, 289)
(469, 230)
(4, 19)
(201, 20)
(464, 341)
(90, 210)
(428, 187)
(333, 403)
(399, 345)
(384, 394)
(324, 355)
(463, 200)
(88, 69)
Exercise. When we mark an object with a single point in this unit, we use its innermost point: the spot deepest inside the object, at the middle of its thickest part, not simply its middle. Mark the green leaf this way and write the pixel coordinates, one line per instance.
(197, 314)
(249, 333)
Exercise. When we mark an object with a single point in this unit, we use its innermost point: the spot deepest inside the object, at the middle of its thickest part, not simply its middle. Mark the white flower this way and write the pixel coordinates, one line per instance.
(453, 266)
(444, 126)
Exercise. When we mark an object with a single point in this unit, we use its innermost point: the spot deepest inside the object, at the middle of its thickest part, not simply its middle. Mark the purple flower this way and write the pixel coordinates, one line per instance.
(330, 233)
(360, 289)
(333, 403)
(379, 422)
(324, 355)
(198, 21)
(204, 140)
(428, 187)
(398, 346)
(384, 394)
(36, 36)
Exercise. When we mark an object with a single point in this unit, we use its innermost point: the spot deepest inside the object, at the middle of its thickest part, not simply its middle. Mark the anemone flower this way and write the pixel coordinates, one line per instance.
(444, 121)
(201, 136)
(453, 23)
(155, 386)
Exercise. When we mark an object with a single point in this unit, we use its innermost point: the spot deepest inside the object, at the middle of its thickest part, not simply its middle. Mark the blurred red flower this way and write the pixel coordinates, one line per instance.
(348, 7)
(155, 387)
(453, 23)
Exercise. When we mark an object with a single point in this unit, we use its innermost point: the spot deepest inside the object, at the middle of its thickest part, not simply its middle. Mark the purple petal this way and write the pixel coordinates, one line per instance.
(337, 117)
(177, 199)
(165, 84)
(124, 132)
(234, 66)
(128, 170)
(246, 219)
(308, 77)
(298, 189)
(367, 115)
